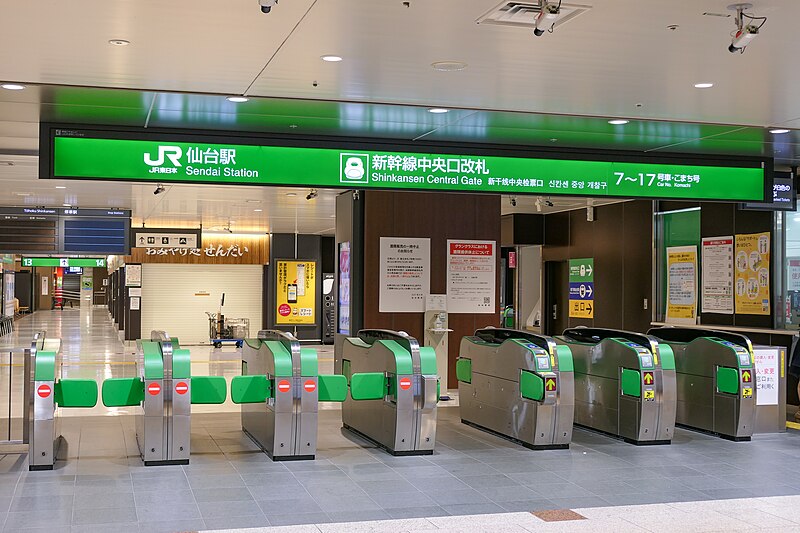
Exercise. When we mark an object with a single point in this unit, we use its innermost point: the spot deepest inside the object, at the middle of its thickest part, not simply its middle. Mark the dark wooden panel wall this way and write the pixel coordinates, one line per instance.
(620, 241)
(439, 216)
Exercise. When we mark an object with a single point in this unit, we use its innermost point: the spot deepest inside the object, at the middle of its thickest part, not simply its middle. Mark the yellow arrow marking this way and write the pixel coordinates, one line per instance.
(648, 379)
(746, 375)
(550, 384)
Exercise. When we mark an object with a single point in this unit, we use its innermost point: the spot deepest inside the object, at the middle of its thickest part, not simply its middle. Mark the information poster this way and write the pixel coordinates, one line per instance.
(471, 276)
(581, 288)
(133, 275)
(752, 274)
(682, 284)
(717, 261)
(405, 274)
(793, 277)
(344, 288)
(295, 287)
(767, 360)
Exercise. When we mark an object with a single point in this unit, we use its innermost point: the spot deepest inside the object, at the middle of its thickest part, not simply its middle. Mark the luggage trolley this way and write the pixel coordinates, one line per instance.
(624, 384)
(519, 385)
(46, 393)
(280, 389)
(394, 390)
(715, 380)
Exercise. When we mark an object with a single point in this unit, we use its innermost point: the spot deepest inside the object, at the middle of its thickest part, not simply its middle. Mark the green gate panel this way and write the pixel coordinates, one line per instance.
(309, 363)
(667, 356)
(250, 389)
(728, 380)
(368, 386)
(427, 361)
(76, 393)
(45, 369)
(181, 364)
(464, 370)
(281, 357)
(122, 392)
(402, 357)
(564, 355)
(631, 382)
(209, 390)
(153, 362)
(332, 388)
(531, 386)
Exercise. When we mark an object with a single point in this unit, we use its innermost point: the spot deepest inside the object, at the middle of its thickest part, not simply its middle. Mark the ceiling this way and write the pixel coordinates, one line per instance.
(618, 59)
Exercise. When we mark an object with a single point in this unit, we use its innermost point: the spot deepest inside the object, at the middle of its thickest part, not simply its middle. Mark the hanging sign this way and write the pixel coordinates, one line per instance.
(295, 287)
(471, 276)
(405, 274)
(717, 261)
(752, 274)
(581, 288)
(682, 284)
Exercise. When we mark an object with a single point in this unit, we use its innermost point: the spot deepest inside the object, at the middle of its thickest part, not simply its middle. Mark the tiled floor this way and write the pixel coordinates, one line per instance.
(102, 486)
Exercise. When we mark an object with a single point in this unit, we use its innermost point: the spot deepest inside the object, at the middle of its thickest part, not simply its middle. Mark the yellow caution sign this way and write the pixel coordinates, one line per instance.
(649, 395)
(581, 308)
(747, 392)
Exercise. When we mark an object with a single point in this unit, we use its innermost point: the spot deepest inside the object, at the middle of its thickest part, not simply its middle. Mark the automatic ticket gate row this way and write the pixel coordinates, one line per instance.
(624, 384)
(715, 380)
(519, 385)
(163, 391)
(394, 389)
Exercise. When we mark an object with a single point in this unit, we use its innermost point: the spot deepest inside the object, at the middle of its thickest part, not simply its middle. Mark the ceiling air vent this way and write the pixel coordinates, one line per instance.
(523, 14)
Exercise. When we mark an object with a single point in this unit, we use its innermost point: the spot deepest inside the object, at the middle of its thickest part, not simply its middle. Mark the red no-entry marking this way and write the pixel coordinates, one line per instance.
(284, 385)
(310, 386)
(154, 389)
(181, 387)
(44, 391)
(405, 383)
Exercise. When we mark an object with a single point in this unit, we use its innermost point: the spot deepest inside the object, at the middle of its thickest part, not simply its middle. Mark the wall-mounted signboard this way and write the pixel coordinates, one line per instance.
(101, 154)
(784, 195)
(166, 238)
(66, 262)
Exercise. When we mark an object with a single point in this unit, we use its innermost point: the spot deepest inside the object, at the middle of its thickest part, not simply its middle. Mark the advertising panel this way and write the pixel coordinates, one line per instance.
(296, 292)
(752, 274)
(344, 288)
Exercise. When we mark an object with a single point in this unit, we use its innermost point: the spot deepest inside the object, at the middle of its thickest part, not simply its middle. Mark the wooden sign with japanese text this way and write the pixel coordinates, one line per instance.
(216, 250)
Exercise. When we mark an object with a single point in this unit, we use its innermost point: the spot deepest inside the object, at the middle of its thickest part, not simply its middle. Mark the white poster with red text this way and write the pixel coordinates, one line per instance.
(471, 276)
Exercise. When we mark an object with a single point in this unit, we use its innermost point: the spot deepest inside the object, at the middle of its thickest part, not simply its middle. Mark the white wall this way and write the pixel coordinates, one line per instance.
(169, 300)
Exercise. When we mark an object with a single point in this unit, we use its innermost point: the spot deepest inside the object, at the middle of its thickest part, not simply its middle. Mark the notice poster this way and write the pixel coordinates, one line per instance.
(682, 285)
(133, 275)
(752, 274)
(405, 274)
(295, 289)
(717, 261)
(471, 276)
(344, 288)
(793, 276)
(767, 359)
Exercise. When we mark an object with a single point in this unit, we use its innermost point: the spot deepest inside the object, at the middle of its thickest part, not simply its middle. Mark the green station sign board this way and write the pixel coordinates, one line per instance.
(64, 262)
(198, 162)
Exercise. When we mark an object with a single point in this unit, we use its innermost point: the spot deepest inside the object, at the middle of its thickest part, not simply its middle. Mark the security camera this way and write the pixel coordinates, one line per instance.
(311, 195)
(513, 201)
(159, 189)
(267, 5)
(548, 203)
(547, 18)
(742, 38)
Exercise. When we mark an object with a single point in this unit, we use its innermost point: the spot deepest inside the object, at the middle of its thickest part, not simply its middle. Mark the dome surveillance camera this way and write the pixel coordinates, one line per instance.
(267, 5)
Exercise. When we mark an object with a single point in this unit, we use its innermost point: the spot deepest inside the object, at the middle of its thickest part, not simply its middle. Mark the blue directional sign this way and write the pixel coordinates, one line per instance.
(581, 291)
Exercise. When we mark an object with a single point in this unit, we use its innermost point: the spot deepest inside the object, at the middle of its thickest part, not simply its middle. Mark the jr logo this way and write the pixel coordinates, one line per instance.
(353, 168)
(173, 153)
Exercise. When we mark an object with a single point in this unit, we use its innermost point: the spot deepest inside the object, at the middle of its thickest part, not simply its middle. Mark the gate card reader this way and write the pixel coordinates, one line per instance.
(45, 394)
(394, 389)
(518, 385)
(716, 380)
(279, 389)
(164, 391)
(624, 384)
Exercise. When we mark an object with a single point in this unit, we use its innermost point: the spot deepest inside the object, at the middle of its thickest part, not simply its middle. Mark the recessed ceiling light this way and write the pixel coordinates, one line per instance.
(778, 131)
(437, 110)
(448, 66)
(331, 58)
(119, 42)
(291, 194)
(703, 85)
(60, 187)
(12, 86)
(618, 121)
(257, 210)
(253, 201)
(237, 99)
(66, 205)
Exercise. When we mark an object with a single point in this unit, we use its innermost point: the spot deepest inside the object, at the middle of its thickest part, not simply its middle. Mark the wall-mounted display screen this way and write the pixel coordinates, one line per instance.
(161, 157)
(784, 195)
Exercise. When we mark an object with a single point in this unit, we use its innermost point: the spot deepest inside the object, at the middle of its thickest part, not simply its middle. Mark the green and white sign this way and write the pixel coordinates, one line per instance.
(63, 262)
(148, 160)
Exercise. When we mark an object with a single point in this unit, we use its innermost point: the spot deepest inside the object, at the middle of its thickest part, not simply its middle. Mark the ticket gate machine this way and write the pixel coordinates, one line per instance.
(624, 384)
(394, 390)
(519, 385)
(716, 381)
(164, 390)
(45, 393)
(279, 390)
